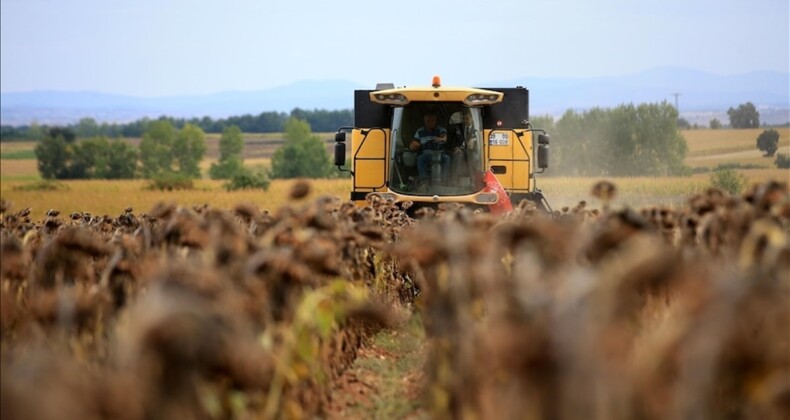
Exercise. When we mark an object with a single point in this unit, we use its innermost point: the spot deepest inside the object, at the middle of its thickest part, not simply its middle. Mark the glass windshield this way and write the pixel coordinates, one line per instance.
(436, 149)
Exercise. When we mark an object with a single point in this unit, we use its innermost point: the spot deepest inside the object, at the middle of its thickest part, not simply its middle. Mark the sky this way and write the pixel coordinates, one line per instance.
(152, 48)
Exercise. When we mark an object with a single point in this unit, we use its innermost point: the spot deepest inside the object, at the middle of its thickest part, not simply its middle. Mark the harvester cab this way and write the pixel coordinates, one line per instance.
(434, 144)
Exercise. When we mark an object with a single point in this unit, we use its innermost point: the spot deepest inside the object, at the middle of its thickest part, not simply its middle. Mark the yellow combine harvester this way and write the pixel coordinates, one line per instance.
(435, 144)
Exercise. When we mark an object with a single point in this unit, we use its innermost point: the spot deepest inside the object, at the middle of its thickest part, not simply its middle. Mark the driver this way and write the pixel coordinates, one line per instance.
(429, 137)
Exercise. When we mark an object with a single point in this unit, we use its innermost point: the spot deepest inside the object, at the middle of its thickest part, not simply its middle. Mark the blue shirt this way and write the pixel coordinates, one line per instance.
(427, 138)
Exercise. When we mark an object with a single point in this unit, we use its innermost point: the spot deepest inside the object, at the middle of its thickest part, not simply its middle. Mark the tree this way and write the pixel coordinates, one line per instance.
(625, 141)
(156, 149)
(90, 158)
(746, 116)
(302, 155)
(545, 122)
(579, 143)
(164, 150)
(121, 160)
(231, 145)
(87, 127)
(683, 124)
(715, 124)
(768, 142)
(188, 150)
(53, 154)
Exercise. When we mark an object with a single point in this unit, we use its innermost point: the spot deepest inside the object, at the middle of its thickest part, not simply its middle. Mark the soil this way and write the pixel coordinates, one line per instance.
(386, 380)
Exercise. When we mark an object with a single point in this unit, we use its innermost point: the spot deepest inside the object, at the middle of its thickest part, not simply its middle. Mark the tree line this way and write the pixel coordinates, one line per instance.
(320, 120)
(171, 156)
(629, 140)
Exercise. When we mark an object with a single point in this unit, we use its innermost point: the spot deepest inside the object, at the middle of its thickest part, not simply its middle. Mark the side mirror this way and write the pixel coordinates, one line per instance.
(543, 150)
(543, 155)
(340, 151)
(340, 137)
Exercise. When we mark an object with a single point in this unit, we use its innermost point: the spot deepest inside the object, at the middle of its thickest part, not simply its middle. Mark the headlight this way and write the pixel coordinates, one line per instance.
(391, 98)
(486, 198)
(481, 99)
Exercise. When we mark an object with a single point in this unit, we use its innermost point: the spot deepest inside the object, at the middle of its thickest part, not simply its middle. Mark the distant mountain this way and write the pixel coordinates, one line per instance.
(698, 90)
(59, 107)
(702, 96)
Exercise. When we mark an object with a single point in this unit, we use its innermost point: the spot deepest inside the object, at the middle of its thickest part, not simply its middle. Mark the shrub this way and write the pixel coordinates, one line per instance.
(728, 180)
(169, 181)
(248, 179)
(782, 161)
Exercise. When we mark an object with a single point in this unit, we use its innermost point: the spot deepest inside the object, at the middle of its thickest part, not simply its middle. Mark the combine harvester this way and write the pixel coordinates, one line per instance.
(437, 144)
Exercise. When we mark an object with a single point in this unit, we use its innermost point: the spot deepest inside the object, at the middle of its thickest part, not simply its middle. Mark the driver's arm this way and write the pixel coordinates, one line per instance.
(442, 137)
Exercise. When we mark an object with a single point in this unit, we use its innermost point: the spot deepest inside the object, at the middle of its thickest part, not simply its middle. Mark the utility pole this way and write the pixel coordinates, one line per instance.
(676, 94)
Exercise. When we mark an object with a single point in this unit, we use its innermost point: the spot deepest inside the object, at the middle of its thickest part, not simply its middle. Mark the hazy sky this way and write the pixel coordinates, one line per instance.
(160, 47)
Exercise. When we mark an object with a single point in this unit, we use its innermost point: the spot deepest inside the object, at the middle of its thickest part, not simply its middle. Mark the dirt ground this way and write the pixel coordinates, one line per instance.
(386, 380)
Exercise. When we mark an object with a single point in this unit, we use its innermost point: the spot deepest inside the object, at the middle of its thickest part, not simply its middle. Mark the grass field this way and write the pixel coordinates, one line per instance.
(707, 148)
(112, 197)
(712, 142)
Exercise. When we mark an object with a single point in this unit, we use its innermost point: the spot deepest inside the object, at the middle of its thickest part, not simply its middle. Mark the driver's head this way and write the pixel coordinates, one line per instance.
(430, 120)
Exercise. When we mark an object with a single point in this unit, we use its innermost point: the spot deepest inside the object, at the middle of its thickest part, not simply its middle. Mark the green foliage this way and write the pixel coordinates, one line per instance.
(545, 122)
(715, 124)
(731, 165)
(728, 180)
(93, 158)
(43, 185)
(782, 161)
(266, 122)
(121, 160)
(246, 178)
(231, 145)
(61, 157)
(226, 169)
(303, 155)
(67, 133)
(625, 141)
(768, 142)
(745, 116)
(188, 150)
(87, 127)
(165, 150)
(684, 124)
(156, 149)
(53, 154)
(90, 158)
(169, 181)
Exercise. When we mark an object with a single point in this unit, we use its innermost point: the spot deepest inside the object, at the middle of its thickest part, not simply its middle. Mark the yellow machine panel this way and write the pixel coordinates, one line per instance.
(369, 158)
(509, 157)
